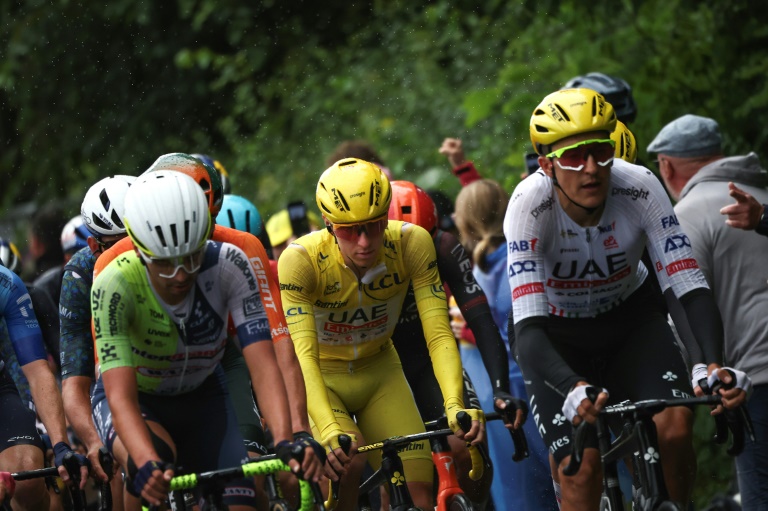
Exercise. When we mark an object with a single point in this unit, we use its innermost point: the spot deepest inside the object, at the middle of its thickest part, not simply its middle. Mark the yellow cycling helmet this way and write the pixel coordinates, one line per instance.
(569, 112)
(626, 145)
(352, 191)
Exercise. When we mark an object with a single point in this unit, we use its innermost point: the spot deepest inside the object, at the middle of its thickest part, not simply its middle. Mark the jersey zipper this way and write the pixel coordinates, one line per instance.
(590, 254)
(183, 332)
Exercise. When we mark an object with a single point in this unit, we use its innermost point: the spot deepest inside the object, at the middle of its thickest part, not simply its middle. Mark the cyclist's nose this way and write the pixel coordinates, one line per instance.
(591, 166)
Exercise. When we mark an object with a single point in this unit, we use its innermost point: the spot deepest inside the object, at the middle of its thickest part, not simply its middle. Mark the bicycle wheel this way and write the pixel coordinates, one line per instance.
(460, 502)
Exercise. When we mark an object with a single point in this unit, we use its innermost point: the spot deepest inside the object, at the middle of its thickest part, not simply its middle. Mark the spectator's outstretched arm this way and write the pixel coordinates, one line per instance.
(746, 213)
(463, 169)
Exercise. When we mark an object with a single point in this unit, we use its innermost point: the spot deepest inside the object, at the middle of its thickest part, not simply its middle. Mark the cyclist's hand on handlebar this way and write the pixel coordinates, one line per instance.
(735, 387)
(338, 460)
(578, 406)
(476, 433)
(699, 380)
(310, 454)
(514, 411)
(71, 464)
(152, 482)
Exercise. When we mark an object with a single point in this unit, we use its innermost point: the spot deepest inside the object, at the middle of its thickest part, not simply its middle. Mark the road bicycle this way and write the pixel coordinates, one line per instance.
(637, 440)
(450, 496)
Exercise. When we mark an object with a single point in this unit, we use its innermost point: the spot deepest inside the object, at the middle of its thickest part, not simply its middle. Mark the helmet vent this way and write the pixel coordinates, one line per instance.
(175, 235)
(343, 200)
(104, 198)
(347, 162)
(116, 220)
(160, 235)
(186, 231)
(248, 221)
(563, 112)
(231, 218)
(99, 222)
(405, 210)
(370, 195)
(205, 185)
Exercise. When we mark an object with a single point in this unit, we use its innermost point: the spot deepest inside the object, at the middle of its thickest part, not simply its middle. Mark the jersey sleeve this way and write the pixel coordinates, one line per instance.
(242, 295)
(297, 283)
(668, 246)
(526, 235)
(20, 320)
(113, 313)
(76, 343)
(456, 270)
(421, 260)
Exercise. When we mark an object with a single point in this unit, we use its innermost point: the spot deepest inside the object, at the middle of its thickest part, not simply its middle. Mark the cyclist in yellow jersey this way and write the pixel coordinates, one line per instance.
(342, 290)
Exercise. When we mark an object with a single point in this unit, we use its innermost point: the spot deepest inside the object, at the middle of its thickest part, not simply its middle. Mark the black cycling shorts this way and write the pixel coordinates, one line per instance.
(17, 422)
(630, 350)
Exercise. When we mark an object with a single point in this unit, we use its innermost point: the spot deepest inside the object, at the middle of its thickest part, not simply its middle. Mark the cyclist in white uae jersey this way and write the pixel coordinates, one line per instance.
(583, 309)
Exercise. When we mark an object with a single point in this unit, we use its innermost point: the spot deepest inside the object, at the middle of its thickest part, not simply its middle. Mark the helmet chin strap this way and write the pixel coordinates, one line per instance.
(554, 179)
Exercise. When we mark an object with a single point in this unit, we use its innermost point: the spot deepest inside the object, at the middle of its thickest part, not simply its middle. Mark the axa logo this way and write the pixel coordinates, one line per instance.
(521, 267)
(676, 242)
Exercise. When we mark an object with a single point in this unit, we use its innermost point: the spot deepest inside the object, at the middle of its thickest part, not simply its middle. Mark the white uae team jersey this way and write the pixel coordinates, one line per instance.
(557, 267)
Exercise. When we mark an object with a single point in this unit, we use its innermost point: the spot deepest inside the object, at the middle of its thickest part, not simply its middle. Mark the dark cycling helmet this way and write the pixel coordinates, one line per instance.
(223, 174)
(240, 213)
(410, 203)
(204, 174)
(569, 112)
(10, 256)
(616, 91)
(75, 235)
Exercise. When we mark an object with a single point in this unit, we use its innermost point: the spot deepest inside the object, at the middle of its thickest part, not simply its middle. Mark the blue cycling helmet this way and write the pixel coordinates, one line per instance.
(74, 236)
(240, 213)
(216, 164)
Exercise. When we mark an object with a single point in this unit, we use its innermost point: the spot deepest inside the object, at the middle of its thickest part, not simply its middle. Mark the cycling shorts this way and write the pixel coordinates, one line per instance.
(17, 422)
(631, 351)
(372, 397)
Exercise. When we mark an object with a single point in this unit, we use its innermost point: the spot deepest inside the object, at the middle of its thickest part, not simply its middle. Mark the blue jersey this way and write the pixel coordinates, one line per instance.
(19, 319)
(75, 340)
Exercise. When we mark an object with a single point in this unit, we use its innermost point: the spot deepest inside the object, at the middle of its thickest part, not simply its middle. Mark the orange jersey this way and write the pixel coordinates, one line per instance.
(262, 267)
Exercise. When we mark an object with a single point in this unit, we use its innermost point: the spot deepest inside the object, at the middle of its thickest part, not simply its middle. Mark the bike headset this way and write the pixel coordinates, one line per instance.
(565, 113)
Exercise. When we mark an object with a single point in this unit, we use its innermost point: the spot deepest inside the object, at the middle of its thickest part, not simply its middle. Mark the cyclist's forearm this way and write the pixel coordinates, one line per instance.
(75, 392)
(294, 384)
(122, 394)
(537, 356)
(491, 347)
(268, 385)
(706, 323)
(47, 399)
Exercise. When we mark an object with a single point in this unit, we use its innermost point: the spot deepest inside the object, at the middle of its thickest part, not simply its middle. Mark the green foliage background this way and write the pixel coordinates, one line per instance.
(269, 88)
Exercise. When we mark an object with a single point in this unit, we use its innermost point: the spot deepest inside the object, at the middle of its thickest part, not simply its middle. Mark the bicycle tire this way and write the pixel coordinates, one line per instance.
(460, 502)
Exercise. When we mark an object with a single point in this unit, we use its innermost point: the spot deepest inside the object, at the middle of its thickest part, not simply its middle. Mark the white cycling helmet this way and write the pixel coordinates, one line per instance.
(166, 214)
(74, 235)
(9, 256)
(104, 204)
